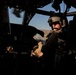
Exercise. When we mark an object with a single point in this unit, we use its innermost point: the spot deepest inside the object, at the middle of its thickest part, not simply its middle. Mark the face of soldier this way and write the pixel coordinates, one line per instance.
(56, 26)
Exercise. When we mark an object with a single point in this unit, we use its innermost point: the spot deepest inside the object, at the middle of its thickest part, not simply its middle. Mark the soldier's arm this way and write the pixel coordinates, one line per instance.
(39, 50)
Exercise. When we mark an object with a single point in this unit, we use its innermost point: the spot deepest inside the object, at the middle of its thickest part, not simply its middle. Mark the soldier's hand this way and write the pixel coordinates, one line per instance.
(9, 48)
(37, 52)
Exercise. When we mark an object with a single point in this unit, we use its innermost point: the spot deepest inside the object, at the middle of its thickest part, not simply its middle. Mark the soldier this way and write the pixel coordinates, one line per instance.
(55, 48)
(59, 25)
